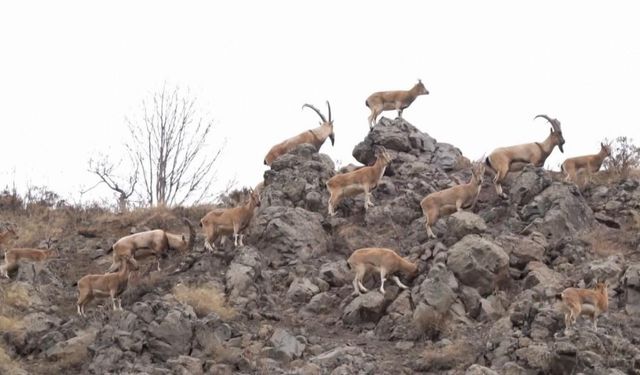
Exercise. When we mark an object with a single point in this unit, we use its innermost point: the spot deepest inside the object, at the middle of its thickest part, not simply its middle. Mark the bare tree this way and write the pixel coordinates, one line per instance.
(169, 143)
(104, 168)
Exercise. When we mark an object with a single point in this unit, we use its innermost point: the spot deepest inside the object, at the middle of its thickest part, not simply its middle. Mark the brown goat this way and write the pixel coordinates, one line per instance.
(579, 301)
(158, 241)
(588, 163)
(107, 285)
(223, 222)
(513, 158)
(362, 180)
(392, 100)
(12, 256)
(315, 136)
(453, 199)
(376, 259)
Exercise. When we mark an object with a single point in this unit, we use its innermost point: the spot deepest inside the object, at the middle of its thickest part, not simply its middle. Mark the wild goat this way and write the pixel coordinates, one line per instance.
(579, 301)
(385, 261)
(390, 100)
(109, 284)
(12, 256)
(315, 136)
(453, 199)
(222, 222)
(588, 163)
(362, 180)
(158, 241)
(514, 158)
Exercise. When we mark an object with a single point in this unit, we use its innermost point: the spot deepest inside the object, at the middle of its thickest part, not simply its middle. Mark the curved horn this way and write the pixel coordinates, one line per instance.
(316, 110)
(554, 122)
(329, 109)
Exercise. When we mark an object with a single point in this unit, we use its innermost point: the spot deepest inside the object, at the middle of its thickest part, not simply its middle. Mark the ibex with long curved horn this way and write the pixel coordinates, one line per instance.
(514, 158)
(390, 100)
(315, 136)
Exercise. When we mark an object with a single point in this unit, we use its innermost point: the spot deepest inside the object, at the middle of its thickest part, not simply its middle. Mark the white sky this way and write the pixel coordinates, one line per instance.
(71, 71)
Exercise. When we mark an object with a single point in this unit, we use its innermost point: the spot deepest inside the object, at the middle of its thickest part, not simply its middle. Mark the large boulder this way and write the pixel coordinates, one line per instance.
(478, 262)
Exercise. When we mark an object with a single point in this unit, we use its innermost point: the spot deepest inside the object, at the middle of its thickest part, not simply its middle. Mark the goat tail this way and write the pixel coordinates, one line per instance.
(559, 296)
(366, 102)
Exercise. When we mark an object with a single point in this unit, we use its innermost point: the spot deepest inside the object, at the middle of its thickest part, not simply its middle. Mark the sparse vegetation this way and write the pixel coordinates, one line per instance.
(204, 299)
(625, 158)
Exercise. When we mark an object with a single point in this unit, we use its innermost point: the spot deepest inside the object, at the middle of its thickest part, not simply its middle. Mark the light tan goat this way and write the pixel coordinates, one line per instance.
(448, 201)
(514, 158)
(579, 301)
(107, 285)
(393, 100)
(12, 256)
(158, 241)
(376, 259)
(360, 181)
(223, 222)
(588, 163)
(315, 136)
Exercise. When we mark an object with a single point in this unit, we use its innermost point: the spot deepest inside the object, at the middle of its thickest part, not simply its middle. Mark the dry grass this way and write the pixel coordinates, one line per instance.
(459, 354)
(17, 296)
(204, 299)
(429, 322)
(9, 324)
(605, 242)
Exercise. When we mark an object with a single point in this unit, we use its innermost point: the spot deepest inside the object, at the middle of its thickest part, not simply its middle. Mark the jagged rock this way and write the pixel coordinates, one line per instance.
(631, 279)
(478, 263)
(342, 354)
(292, 232)
(543, 278)
(558, 212)
(285, 345)
(437, 289)
(336, 273)
(527, 184)
(463, 223)
(535, 356)
(522, 250)
(609, 269)
(367, 307)
(302, 289)
(75, 346)
(322, 303)
(241, 274)
(173, 335)
(185, 365)
(297, 179)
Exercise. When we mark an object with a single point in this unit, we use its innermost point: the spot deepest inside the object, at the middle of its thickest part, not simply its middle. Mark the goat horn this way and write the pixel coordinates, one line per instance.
(554, 122)
(316, 110)
(329, 109)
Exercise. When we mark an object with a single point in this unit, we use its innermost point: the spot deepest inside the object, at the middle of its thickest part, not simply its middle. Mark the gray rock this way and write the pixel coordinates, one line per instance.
(175, 330)
(301, 290)
(478, 263)
(322, 303)
(522, 250)
(528, 184)
(185, 365)
(336, 273)
(463, 223)
(367, 307)
(286, 346)
(632, 296)
(535, 356)
(437, 289)
(75, 346)
(479, 370)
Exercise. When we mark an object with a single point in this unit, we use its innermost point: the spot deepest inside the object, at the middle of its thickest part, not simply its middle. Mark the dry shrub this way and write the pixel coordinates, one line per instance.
(459, 354)
(429, 322)
(605, 242)
(17, 296)
(204, 299)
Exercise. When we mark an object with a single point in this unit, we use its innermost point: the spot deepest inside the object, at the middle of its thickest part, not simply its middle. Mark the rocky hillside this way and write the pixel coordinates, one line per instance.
(483, 302)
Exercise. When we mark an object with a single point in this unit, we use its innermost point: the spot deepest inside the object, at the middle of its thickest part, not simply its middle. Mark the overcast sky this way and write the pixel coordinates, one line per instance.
(70, 73)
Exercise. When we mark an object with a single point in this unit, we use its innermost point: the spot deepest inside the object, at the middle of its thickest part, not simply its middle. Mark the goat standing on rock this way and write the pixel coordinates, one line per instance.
(453, 199)
(588, 163)
(580, 301)
(514, 158)
(393, 100)
(385, 261)
(316, 137)
(362, 180)
(222, 222)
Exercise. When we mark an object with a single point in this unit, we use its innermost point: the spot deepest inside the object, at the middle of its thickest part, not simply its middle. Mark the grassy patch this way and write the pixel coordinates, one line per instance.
(204, 299)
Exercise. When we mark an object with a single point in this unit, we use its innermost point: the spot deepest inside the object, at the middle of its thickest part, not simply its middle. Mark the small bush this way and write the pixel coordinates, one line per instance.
(624, 159)
(204, 299)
